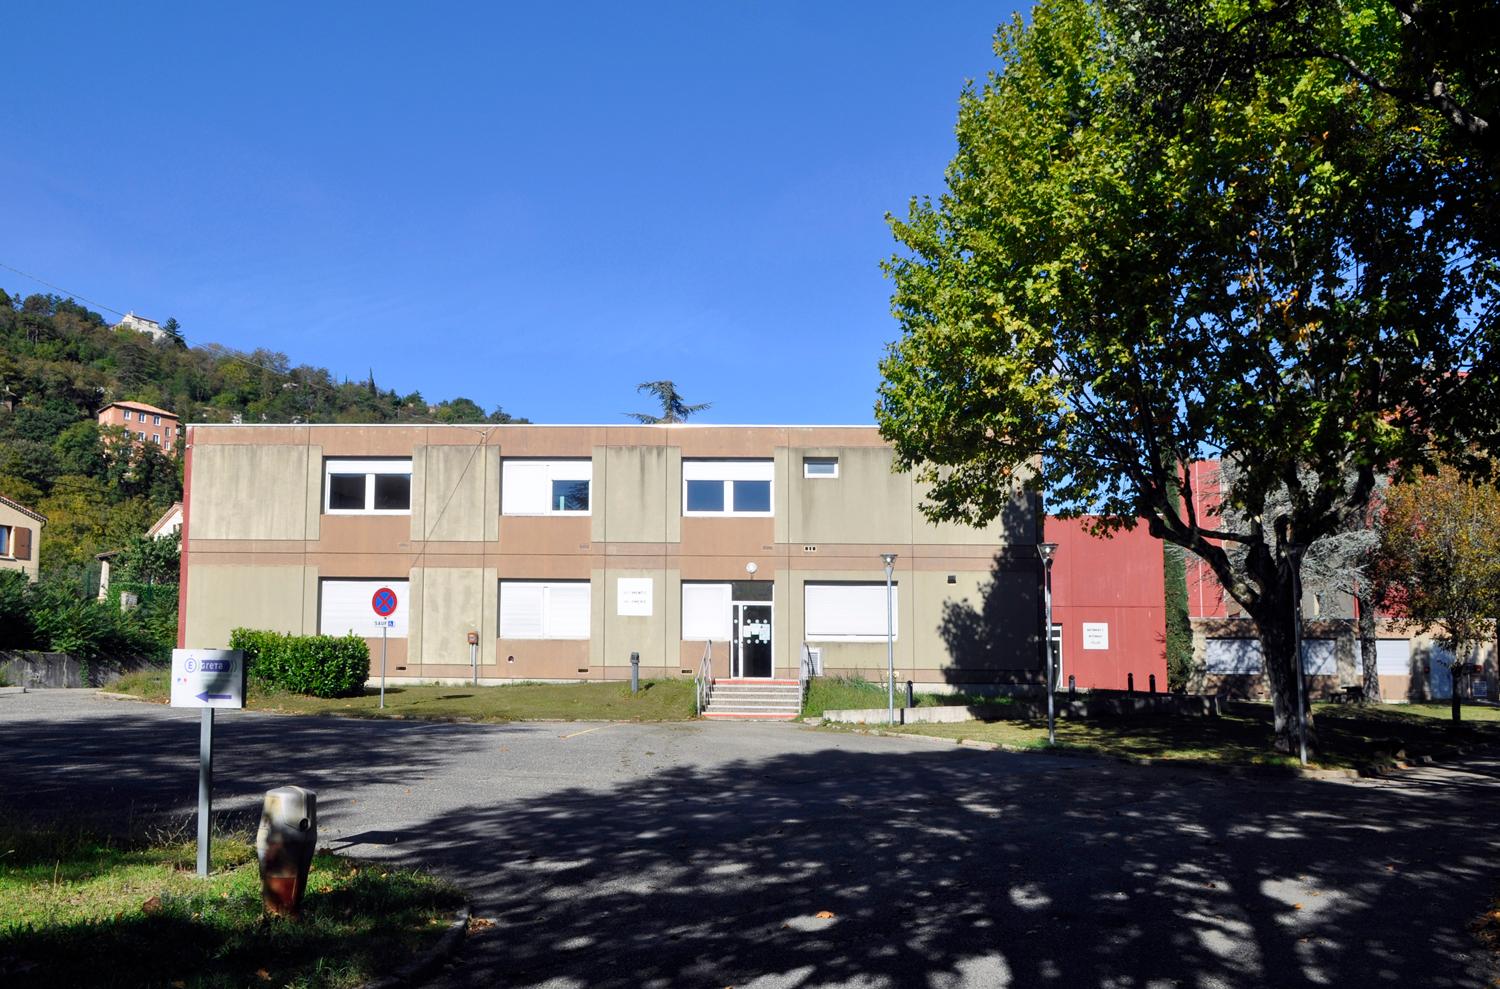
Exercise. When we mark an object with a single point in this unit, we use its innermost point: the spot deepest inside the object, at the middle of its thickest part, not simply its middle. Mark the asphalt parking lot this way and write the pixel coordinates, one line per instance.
(704, 854)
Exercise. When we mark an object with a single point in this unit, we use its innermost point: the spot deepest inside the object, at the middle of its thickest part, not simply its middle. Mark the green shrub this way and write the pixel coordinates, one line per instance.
(16, 629)
(320, 665)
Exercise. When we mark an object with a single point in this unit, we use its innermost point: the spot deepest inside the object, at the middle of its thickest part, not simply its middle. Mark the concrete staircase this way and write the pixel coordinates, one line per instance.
(753, 700)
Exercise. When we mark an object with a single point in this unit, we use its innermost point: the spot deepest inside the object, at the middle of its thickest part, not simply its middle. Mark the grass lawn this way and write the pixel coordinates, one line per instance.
(78, 909)
(844, 693)
(659, 700)
(1348, 736)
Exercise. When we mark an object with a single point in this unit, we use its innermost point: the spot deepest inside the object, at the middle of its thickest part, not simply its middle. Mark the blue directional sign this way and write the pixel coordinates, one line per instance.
(208, 678)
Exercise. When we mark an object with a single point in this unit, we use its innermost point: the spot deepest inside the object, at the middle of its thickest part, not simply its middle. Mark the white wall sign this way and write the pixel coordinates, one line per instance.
(1096, 635)
(208, 678)
(633, 596)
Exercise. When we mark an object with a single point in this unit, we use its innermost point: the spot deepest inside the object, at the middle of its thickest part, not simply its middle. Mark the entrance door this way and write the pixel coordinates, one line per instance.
(751, 649)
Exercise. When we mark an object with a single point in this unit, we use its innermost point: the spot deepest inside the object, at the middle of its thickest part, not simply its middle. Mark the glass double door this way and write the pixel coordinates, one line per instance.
(750, 648)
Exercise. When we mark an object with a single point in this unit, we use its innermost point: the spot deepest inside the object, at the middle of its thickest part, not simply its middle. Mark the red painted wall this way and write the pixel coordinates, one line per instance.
(1116, 581)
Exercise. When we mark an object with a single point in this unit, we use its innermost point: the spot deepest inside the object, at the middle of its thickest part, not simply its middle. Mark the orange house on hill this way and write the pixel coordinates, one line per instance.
(145, 424)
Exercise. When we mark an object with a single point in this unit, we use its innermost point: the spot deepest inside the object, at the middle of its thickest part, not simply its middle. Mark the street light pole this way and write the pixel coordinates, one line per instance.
(1048, 551)
(890, 639)
(1295, 551)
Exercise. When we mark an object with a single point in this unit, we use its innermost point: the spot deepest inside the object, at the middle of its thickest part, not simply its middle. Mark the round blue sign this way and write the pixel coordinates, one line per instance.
(384, 602)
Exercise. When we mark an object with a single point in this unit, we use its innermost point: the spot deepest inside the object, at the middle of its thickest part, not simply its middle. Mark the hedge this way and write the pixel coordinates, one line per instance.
(320, 665)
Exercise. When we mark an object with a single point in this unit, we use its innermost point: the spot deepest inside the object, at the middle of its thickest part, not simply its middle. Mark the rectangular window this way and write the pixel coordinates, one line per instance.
(534, 609)
(727, 487)
(853, 612)
(1393, 657)
(820, 466)
(156, 420)
(126, 414)
(367, 487)
(706, 612)
(346, 606)
(156, 438)
(4, 540)
(1233, 656)
(1320, 657)
(545, 487)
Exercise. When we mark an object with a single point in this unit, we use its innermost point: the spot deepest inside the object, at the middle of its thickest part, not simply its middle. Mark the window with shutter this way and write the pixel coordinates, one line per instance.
(22, 539)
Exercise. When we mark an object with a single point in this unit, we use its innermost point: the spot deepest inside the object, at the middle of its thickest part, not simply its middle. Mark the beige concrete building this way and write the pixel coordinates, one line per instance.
(20, 537)
(563, 549)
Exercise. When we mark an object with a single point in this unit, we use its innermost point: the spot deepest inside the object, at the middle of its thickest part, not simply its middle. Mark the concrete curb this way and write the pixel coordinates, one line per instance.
(115, 696)
(12, 690)
(424, 966)
(1283, 772)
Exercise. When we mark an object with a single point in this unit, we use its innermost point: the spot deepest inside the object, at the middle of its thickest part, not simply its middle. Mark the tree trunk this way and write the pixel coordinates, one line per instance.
(1367, 648)
(1276, 628)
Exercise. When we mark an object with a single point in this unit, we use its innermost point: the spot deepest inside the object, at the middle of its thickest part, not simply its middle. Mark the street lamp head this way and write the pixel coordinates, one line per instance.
(752, 568)
(1046, 551)
(889, 558)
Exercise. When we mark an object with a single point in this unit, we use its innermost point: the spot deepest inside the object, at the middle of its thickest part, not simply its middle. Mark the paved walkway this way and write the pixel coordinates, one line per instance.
(703, 854)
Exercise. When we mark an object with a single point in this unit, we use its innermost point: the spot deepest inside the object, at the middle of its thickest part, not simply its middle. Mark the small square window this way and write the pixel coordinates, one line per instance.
(820, 466)
(346, 492)
(570, 496)
(126, 413)
(752, 496)
(705, 496)
(392, 492)
(156, 420)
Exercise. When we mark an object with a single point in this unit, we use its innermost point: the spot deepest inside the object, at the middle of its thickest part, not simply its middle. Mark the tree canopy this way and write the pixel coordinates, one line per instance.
(1131, 270)
(673, 408)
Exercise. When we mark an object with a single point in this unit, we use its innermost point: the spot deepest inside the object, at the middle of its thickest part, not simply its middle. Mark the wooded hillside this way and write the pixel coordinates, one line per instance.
(60, 363)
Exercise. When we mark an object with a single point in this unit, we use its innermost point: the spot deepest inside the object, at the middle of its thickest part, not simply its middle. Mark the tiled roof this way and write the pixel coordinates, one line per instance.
(140, 405)
(23, 509)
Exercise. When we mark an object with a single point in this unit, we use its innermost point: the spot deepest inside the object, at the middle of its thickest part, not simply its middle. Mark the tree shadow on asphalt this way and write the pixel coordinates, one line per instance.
(957, 868)
(939, 867)
(140, 764)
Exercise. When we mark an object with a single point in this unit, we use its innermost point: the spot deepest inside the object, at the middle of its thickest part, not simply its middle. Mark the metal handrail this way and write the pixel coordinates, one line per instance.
(703, 680)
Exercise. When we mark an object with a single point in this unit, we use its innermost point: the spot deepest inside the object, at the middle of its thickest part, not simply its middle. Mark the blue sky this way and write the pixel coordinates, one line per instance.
(537, 207)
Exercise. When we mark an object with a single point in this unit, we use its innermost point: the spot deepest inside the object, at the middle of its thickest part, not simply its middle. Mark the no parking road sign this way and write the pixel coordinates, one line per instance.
(384, 602)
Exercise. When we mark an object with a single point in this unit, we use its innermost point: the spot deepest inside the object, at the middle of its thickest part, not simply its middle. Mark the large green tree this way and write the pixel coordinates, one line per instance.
(1116, 283)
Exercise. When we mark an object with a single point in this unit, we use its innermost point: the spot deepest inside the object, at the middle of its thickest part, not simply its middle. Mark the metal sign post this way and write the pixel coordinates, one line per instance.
(383, 603)
(206, 679)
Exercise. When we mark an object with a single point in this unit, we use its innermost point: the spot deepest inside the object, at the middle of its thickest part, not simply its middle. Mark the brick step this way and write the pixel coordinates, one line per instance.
(723, 703)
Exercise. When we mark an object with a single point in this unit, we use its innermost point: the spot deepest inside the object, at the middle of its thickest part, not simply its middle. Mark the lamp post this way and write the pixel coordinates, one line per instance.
(1295, 551)
(890, 639)
(1047, 552)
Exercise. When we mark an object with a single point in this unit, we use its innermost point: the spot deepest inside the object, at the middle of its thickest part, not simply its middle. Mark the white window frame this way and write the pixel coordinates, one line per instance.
(156, 438)
(877, 635)
(156, 420)
(369, 468)
(350, 598)
(559, 469)
(727, 472)
(126, 414)
(808, 462)
(550, 615)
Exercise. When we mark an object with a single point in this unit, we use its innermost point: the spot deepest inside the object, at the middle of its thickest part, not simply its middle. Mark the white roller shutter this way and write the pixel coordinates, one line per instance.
(521, 609)
(1226, 656)
(706, 612)
(1319, 658)
(848, 612)
(344, 606)
(566, 611)
(525, 487)
(1393, 657)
